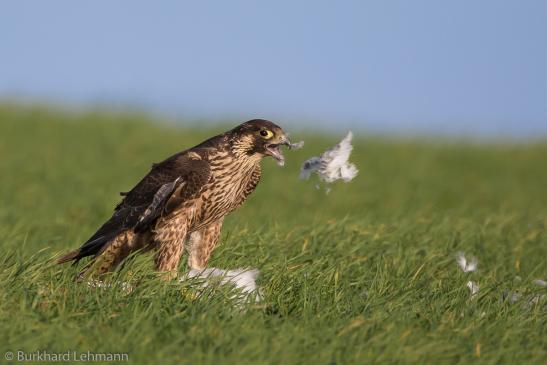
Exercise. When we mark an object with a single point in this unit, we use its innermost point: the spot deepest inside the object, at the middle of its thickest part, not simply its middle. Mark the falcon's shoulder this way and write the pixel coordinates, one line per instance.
(171, 182)
(189, 167)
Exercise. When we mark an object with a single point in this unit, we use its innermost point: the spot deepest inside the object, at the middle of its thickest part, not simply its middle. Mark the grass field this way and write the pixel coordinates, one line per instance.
(365, 274)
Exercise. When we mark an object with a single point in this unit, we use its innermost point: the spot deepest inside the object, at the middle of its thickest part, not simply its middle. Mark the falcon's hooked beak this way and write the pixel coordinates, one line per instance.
(273, 149)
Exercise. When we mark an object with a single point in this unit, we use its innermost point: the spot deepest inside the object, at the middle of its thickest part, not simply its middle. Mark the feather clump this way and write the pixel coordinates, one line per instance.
(296, 146)
(242, 279)
(473, 288)
(333, 164)
(466, 266)
(540, 282)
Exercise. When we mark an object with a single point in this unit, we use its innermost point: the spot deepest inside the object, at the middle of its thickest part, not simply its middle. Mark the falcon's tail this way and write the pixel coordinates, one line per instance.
(100, 239)
(89, 248)
(72, 255)
(108, 253)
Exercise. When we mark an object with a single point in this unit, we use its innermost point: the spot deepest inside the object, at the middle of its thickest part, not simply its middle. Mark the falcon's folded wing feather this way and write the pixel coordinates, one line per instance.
(153, 210)
(168, 184)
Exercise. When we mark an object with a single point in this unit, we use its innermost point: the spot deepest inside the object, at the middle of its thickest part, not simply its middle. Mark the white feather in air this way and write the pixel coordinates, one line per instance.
(333, 164)
(296, 146)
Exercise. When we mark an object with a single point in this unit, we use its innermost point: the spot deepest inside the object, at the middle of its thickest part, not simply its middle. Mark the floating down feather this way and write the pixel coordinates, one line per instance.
(333, 164)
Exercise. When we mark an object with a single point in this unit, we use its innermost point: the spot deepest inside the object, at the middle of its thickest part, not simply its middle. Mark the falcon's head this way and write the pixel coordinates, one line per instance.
(260, 138)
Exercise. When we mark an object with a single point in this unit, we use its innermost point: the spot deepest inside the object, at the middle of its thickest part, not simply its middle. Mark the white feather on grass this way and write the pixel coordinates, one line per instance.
(466, 266)
(333, 164)
(124, 286)
(511, 296)
(473, 288)
(243, 279)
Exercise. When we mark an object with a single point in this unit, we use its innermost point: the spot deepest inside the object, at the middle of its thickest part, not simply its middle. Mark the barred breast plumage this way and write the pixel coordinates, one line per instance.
(231, 182)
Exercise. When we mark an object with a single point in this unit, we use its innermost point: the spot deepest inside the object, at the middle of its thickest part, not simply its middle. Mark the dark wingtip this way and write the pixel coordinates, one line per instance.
(73, 255)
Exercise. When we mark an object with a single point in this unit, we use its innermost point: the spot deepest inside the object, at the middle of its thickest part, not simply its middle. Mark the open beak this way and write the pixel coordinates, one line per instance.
(274, 149)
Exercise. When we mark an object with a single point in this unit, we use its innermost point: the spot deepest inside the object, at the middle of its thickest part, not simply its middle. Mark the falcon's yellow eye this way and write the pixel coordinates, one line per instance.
(267, 134)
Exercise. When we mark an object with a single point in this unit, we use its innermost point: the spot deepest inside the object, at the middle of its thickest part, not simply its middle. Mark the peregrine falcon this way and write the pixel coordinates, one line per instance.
(181, 203)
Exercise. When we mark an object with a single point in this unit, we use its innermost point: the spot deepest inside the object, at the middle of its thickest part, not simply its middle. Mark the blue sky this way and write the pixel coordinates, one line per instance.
(472, 67)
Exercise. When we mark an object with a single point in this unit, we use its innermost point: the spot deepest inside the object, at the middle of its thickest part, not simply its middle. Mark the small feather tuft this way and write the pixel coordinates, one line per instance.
(466, 266)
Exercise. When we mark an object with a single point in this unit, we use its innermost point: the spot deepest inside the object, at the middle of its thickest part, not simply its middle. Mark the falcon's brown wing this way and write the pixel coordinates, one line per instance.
(176, 179)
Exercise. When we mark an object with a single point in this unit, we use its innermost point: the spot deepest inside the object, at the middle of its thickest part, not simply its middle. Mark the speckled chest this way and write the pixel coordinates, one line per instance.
(231, 182)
